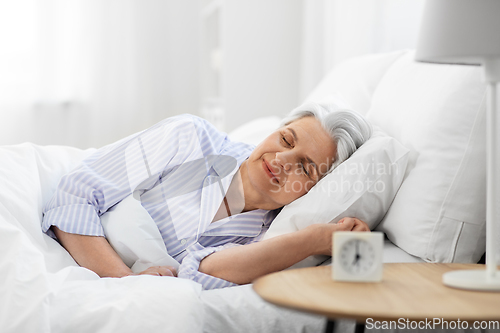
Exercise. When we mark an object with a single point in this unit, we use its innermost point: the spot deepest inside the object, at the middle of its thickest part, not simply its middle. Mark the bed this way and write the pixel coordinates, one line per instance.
(434, 211)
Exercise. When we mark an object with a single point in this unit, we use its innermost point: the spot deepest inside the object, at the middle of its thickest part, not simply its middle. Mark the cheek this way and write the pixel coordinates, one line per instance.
(271, 144)
(297, 187)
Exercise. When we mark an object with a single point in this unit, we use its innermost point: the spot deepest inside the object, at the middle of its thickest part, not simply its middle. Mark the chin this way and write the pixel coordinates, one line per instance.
(267, 189)
(281, 198)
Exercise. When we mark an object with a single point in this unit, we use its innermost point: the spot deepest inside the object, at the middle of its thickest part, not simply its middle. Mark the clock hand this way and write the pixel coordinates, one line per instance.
(356, 259)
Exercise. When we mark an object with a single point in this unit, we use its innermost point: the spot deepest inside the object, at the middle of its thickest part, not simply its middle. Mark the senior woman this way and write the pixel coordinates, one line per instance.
(212, 199)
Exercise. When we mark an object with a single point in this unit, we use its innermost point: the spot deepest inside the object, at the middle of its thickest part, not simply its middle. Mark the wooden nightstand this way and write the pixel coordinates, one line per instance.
(413, 292)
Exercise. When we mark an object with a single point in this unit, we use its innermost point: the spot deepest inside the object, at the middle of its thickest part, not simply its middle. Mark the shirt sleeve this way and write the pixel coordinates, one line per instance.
(115, 171)
(191, 263)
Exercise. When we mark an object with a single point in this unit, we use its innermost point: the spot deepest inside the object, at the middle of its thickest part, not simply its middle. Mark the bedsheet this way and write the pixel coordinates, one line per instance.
(240, 310)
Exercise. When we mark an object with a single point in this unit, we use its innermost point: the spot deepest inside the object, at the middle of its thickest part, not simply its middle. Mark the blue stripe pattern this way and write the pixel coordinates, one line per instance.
(173, 167)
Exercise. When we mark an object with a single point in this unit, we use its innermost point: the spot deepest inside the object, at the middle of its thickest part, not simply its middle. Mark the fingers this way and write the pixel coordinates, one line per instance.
(167, 271)
(360, 226)
(352, 224)
(346, 224)
(172, 270)
(160, 271)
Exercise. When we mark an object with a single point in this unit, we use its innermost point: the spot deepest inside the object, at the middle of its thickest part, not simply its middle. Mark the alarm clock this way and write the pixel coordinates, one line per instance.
(357, 256)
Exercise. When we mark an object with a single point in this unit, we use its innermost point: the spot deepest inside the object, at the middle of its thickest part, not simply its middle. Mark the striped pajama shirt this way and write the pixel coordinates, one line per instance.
(181, 168)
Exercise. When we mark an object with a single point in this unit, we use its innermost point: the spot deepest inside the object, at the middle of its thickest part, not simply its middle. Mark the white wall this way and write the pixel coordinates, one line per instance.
(102, 69)
(336, 30)
(87, 72)
(168, 57)
(262, 44)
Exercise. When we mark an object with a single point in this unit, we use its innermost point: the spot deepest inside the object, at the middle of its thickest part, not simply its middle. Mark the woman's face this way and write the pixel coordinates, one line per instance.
(290, 161)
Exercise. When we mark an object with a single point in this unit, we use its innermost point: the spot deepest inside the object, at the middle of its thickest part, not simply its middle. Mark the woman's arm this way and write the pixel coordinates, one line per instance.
(96, 254)
(243, 264)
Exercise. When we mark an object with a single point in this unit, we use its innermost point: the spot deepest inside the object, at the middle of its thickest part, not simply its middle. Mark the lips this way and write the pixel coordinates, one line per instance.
(269, 171)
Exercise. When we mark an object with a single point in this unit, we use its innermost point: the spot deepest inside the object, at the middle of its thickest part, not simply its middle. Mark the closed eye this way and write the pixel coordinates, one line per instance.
(285, 141)
(304, 169)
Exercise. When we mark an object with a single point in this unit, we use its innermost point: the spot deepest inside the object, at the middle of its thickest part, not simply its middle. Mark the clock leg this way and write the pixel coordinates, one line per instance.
(330, 326)
(360, 328)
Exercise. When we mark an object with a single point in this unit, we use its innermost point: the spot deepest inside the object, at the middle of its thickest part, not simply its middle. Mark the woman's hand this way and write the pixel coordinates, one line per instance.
(357, 224)
(160, 271)
(95, 253)
(321, 234)
(243, 264)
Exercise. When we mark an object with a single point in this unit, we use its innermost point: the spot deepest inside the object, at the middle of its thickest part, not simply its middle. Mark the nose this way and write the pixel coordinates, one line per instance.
(282, 159)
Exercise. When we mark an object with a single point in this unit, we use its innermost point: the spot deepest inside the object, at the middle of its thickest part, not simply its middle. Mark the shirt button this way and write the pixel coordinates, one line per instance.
(183, 241)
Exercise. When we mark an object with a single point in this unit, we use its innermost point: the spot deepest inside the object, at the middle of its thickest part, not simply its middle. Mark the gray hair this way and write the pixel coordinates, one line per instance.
(348, 129)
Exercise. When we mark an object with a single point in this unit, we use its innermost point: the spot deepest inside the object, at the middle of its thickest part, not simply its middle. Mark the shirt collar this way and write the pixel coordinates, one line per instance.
(248, 224)
(215, 186)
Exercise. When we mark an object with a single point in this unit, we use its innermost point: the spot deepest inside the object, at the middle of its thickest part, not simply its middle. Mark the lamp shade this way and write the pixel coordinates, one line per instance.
(459, 31)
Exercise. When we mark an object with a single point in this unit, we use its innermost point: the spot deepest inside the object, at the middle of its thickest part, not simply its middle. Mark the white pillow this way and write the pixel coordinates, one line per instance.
(134, 236)
(255, 130)
(437, 112)
(363, 186)
(355, 80)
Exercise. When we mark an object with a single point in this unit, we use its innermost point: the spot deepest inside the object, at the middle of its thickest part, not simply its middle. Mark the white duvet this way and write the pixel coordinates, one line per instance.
(42, 289)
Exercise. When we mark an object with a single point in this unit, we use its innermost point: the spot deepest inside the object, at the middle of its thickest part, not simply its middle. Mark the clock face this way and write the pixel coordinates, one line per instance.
(357, 256)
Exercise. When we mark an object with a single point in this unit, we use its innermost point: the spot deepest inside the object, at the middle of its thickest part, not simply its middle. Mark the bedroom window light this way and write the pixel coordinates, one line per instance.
(18, 54)
(212, 62)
